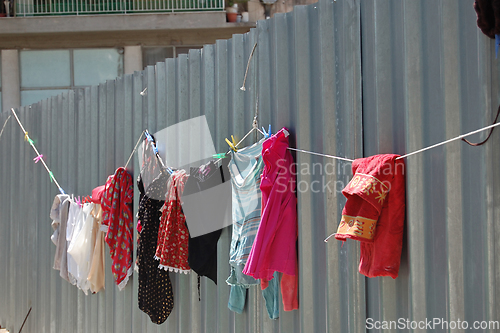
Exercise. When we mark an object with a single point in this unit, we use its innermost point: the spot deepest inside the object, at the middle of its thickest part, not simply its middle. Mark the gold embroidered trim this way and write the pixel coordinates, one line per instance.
(357, 226)
(369, 185)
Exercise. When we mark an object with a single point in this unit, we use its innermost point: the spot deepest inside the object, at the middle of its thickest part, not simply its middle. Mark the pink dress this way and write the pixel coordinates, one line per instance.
(274, 248)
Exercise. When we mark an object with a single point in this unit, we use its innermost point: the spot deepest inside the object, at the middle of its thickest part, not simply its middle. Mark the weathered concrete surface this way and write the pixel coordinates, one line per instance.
(117, 30)
(11, 95)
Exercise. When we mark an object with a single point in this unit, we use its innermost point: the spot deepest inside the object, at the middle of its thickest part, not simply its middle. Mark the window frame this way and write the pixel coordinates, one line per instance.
(72, 85)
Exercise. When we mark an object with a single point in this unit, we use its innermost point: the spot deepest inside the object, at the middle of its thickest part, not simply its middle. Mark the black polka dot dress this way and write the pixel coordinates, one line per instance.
(155, 289)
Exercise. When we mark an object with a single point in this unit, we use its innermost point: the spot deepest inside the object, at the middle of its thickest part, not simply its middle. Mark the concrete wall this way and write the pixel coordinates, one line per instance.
(132, 32)
(11, 92)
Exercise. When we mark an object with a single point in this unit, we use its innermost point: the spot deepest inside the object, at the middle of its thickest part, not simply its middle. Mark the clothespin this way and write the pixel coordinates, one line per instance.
(27, 138)
(158, 157)
(267, 135)
(233, 144)
(78, 201)
(51, 175)
(148, 136)
(220, 155)
(38, 158)
(150, 139)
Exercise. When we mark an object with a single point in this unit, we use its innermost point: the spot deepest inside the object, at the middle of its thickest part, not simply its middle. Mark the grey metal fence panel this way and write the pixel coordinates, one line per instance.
(428, 74)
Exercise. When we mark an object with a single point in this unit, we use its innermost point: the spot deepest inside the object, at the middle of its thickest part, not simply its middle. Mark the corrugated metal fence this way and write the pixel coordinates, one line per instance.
(429, 74)
(347, 78)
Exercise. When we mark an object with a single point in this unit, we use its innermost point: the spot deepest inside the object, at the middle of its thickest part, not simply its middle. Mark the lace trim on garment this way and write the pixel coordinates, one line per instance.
(175, 270)
(172, 269)
(124, 282)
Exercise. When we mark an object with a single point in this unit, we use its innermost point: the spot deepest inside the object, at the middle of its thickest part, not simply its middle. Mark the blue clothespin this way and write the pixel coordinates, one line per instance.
(150, 139)
(268, 134)
(148, 136)
(153, 144)
(497, 44)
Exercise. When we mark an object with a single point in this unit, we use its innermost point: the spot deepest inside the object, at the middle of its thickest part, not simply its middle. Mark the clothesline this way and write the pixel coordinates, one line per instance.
(39, 157)
(409, 154)
(325, 155)
(135, 148)
(248, 66)
(4, 124)
(449, 140)
(52, 178)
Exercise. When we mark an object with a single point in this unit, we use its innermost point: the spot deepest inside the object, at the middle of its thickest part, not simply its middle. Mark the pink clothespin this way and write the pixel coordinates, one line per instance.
(38, 158)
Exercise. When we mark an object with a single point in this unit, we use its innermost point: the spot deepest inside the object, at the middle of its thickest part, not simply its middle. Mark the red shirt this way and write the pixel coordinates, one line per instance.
(117, 215)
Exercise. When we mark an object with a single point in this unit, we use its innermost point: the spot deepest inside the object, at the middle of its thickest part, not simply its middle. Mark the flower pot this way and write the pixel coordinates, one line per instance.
(231, 17)
(245, 17)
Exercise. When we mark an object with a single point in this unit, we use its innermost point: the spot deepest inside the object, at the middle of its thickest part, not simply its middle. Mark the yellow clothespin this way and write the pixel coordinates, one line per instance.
(27, 138)
(233, 144)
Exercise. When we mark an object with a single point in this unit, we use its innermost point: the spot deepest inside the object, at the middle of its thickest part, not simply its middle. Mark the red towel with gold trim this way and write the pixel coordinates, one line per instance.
(374, 213)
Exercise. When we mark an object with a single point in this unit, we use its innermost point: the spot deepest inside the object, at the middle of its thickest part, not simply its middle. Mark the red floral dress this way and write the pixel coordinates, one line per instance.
(173, 235)
(117, 216)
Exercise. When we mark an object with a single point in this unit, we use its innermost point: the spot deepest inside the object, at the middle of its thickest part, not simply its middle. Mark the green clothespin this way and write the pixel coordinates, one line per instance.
(27, 138)
(220, 155)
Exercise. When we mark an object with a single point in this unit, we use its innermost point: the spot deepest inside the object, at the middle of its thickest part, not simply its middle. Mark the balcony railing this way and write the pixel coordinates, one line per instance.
(91, 7)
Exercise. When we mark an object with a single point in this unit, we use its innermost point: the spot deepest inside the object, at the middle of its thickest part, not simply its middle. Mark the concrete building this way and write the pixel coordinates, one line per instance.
(51, 46)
